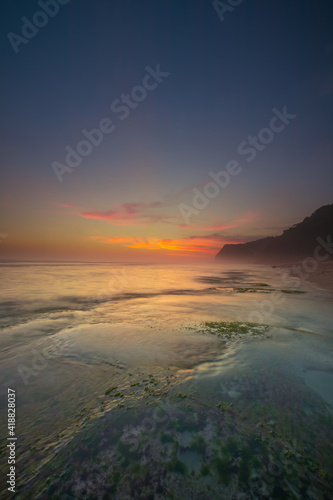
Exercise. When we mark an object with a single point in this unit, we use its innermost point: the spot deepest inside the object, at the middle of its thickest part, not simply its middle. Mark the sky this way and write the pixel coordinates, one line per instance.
(202, 124)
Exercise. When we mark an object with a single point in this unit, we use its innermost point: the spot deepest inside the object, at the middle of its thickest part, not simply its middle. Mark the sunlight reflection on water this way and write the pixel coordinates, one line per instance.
(121, 326)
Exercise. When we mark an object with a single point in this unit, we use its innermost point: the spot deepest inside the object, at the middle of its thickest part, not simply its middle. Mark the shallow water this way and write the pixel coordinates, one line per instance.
(118, 376)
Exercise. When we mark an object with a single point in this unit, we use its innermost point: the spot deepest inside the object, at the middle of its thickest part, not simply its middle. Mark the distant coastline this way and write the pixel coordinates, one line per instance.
(309, 239)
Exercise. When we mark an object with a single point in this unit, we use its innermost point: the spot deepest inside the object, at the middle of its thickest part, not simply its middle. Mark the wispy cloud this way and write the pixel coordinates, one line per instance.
(132, 214)
(216, 237)
(64, 205)
(247, 217)
(206, 228)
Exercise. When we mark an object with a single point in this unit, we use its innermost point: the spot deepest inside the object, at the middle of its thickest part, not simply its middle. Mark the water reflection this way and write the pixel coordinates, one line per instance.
(103, 344)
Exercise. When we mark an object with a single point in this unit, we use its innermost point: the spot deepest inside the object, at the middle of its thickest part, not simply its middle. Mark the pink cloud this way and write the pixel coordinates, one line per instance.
(131, 214)
(207, 228)
(248, 217)
(64, 205)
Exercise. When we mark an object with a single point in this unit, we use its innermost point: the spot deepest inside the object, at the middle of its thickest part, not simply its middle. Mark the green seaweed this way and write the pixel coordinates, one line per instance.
(244, 471)
(205, 470)
(227, 329)
(231, 446)
(68, 473)
(110, 390)
(182, 426)
(223, 468)
(198, 444)
(135, 468)
(223, 406)
(126, 450)
(246, 452)
(246, 290)
(177, 466)
(180, 395)
(166, 438)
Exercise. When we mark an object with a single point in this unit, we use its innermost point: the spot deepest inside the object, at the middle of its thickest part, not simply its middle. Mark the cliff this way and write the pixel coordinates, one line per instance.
(295, 243)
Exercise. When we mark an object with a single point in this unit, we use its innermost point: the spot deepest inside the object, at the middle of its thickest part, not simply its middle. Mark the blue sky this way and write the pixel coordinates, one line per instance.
(224, 80)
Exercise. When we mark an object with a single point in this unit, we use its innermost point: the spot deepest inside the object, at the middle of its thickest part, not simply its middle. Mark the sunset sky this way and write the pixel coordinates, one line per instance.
(122, 202)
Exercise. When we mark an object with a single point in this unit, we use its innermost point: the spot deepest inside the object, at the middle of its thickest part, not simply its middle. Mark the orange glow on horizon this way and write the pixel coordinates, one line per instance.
(202, 245)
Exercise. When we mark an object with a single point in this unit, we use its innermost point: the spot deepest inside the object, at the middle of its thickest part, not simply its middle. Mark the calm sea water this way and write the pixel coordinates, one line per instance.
(122, 371)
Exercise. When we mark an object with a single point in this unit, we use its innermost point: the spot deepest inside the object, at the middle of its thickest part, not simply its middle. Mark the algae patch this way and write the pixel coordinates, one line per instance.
(223, 406)
(252, 290)
(233, 329)
(108, 391)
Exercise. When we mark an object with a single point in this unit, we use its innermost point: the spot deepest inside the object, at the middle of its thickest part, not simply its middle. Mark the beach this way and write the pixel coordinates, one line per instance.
(323, 276)
(122, 373)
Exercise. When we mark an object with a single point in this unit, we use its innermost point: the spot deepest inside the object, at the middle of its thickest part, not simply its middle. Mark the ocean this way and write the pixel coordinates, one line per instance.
(167, 381)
